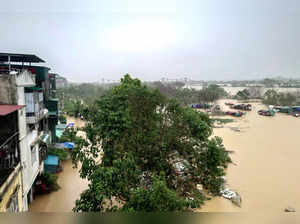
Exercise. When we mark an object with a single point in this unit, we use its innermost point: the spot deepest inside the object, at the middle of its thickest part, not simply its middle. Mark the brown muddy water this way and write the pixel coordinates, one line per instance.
(266, 174)
(71, 185)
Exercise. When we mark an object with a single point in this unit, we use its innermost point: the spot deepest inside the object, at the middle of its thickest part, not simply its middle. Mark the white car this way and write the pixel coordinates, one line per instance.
(226, 193)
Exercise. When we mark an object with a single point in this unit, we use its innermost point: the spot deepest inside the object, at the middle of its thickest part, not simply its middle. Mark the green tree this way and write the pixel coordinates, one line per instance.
(243, 95)
(155, 152)
(287, 99)
(62, 119)
(271, 97)
(211, 93)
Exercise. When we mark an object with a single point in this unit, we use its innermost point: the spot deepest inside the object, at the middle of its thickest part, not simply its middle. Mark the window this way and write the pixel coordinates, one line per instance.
(33, 155)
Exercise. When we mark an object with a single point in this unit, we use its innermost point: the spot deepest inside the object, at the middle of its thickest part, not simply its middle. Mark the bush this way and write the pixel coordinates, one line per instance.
(50, 181)
(62, 119)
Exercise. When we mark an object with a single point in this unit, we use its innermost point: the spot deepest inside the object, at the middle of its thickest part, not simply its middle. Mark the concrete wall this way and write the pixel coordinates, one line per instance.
(25, 79)
(13, 183)
(12, 92)
(8, 89)
(30, 170)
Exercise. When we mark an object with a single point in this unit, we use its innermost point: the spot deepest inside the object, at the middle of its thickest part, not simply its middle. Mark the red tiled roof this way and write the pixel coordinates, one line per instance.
(7, 109)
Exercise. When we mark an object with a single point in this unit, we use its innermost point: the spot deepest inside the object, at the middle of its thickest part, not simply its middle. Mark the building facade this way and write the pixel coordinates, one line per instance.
(11, 197)
(29, 86)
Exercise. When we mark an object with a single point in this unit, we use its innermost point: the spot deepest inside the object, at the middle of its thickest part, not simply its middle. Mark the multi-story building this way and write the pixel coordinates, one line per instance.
(61, 82)
(11, 199)
(26, 85)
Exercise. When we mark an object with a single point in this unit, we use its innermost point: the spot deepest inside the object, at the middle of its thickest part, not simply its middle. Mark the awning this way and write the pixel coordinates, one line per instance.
(52, 113)
(6, 57)
(33, 88)
(7, 109)
(69, 145)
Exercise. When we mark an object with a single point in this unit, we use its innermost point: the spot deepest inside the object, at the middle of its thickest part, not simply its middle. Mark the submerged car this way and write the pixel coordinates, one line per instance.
(226, 193)
(266, 112)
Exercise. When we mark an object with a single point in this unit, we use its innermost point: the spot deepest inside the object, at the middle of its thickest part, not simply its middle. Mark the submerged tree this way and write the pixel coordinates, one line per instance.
(211, 93)
(155, 153)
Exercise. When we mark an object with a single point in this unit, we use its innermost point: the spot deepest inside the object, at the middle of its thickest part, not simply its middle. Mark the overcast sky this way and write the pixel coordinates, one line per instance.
(200, 39)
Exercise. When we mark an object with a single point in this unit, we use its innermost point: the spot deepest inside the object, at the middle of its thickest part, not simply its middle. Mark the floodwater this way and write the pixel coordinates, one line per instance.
(266, 174)
(266, 171)
(71, 185)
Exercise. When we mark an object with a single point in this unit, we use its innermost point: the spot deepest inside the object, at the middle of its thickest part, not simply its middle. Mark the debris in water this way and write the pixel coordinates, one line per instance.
(289, 209)
(233, 196)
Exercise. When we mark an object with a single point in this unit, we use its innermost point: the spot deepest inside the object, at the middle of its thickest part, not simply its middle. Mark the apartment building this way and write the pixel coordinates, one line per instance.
(28, 86)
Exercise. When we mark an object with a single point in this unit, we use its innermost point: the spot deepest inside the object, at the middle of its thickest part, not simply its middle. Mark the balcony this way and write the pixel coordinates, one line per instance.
(35, 117)
(35, 110)
(9, 155)
(44, 137)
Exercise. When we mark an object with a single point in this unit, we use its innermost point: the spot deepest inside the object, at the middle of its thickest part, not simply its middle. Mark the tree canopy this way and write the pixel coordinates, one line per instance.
(155, 153)
(272, 97)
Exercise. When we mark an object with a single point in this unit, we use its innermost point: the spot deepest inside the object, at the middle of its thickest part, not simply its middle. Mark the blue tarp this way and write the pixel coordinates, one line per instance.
(70, 125)
(296, 108)
(69, 145)
(51, 160)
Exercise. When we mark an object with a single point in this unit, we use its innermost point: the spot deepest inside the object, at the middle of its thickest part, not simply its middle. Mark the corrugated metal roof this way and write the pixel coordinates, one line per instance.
(7, 109)
(20, 58)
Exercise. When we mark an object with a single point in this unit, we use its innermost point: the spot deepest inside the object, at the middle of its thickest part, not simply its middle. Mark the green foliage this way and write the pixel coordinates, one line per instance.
(61, 153)
(79, 99)
(69, 135)
(50, 180)
(211, 93)
(155, 152)
(272, 97)
(243, 95)
(62, 119)
(73, 107)
(159, 199)
(188, 96)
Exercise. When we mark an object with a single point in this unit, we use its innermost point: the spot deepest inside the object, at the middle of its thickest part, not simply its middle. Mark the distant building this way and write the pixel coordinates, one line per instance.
(61, 82)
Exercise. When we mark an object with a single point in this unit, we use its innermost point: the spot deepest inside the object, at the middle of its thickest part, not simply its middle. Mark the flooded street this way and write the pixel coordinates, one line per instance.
(62, 200)
(267, 152)
(71, 185)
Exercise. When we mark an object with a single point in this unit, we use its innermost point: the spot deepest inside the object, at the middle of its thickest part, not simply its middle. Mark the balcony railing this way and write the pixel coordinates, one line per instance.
(9, 156)
(32, 118)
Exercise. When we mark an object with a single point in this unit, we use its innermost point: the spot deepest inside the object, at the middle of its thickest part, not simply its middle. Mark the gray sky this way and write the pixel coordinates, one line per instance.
(200, 39)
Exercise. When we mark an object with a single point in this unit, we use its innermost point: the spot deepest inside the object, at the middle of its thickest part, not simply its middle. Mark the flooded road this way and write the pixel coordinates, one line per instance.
(71, 185)
(267, 152)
